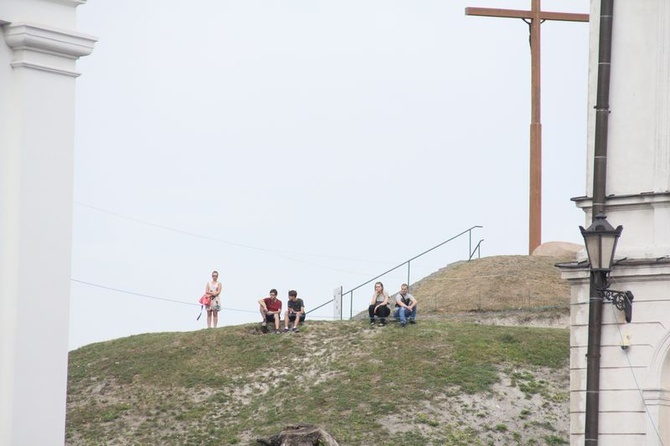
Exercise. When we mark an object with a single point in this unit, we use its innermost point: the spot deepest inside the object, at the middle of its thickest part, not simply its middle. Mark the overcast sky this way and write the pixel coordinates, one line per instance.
(307, 145)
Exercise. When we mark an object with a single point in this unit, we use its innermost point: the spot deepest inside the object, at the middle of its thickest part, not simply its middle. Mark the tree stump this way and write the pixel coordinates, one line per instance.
(300, 435)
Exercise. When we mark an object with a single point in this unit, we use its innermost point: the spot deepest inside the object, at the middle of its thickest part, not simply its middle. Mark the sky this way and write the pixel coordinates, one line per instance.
(308, 145)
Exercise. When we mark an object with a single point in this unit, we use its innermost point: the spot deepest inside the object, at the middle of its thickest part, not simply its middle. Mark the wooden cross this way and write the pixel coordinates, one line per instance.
(534, 18)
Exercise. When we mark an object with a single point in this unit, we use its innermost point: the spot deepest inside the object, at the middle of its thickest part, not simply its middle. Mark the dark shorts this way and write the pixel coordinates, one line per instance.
(291, 317)
(270, 317)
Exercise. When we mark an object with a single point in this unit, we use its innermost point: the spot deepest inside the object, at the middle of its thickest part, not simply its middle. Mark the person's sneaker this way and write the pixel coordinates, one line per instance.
(277, 332)
(402, 324)
(382, 323)
(264, 328)
(412, 321)
(286, 330)
(372, 321)
(296, 330)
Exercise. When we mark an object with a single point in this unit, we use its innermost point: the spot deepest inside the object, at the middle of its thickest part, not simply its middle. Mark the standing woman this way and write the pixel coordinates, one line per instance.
(379, 305)
(213, 289)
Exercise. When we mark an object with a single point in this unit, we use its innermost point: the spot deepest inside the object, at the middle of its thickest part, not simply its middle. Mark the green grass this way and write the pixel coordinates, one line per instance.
(233, 384)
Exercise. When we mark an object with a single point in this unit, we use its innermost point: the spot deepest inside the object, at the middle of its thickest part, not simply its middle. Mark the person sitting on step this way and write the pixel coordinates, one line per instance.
(270, 311)
(405, 305)
(295, 312)
(379, 305)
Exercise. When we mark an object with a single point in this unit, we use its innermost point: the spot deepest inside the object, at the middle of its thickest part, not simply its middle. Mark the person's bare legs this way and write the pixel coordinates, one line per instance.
(215, 318)
(286, 321)
(209, 318)
(277, 321)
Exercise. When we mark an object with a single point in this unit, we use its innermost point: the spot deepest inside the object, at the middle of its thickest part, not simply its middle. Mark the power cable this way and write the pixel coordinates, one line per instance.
(228, 242)
(148, 296)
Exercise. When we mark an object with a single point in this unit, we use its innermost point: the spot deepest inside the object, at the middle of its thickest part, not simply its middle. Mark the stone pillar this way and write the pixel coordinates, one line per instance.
(38, 52)
(634, 382)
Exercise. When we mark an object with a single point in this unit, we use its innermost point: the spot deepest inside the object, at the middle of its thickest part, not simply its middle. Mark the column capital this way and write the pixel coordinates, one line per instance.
(46, 48)
(74, 3)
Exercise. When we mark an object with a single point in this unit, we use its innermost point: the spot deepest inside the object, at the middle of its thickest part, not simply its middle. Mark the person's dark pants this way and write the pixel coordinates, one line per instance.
(382, 313)
(291, 318)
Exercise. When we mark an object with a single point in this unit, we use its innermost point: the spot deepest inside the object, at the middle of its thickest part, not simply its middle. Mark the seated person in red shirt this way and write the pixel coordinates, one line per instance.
(295, 312)
(270, 310)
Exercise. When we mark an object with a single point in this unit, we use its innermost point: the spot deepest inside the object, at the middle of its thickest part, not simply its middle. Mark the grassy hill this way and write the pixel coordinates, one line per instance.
(443, 381)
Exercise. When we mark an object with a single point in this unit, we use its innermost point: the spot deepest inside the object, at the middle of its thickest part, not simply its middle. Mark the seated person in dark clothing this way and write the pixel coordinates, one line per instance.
(295, 312)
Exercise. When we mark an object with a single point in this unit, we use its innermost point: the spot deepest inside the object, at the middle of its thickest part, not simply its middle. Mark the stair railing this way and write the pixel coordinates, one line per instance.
(471, 253)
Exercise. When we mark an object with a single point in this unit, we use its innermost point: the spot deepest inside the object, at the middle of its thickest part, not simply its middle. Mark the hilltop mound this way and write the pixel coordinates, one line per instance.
(493, 284)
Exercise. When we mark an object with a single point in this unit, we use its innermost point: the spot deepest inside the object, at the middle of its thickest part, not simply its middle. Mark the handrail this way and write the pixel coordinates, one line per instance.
(477, 248)
(407, 262)
(414, 258)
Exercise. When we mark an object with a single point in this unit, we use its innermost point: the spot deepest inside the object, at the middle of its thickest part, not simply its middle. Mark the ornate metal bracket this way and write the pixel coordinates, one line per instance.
(623, 300)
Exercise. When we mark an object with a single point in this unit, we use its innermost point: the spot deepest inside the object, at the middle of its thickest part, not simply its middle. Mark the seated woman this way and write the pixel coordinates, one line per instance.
(379, 305)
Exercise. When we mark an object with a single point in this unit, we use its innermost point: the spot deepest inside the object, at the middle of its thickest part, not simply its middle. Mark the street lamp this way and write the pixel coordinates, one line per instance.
(601, 239)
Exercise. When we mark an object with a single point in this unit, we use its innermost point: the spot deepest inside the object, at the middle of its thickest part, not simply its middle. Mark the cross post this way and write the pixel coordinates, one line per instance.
(534, 18)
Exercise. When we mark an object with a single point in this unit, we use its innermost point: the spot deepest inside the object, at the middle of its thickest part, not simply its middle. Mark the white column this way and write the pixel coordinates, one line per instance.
(37, 87)
(638, 155)
(634, 382)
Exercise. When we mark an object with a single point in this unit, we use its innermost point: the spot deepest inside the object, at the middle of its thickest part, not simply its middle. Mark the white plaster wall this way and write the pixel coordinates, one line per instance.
(628, 412)
(37, 82)
(638, 157)
(57, 13)
(7, 248)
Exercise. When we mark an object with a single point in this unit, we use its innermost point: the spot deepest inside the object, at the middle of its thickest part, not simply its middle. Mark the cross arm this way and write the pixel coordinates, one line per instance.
(520, 14)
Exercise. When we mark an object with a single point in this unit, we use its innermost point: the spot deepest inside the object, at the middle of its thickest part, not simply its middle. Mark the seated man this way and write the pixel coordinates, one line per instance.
(405, 305)
(270, 311)
(295, 311)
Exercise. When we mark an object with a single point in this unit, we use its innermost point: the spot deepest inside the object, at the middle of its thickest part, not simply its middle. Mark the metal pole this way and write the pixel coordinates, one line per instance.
(408, 281)
(470, 244)
(591, 428)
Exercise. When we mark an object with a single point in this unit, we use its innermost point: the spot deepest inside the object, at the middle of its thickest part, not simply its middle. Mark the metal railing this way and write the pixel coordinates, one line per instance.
(471, 253)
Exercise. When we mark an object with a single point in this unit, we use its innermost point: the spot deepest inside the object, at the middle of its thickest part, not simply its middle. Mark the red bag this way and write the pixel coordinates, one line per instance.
(205, 300)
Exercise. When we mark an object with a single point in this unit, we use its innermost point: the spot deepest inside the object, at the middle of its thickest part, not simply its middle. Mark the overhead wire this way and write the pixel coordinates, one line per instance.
(149, 296)
(280, 253)
(195, 235)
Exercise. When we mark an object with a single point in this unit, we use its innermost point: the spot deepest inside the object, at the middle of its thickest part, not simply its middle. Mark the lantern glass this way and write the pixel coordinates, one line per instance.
(601, 239)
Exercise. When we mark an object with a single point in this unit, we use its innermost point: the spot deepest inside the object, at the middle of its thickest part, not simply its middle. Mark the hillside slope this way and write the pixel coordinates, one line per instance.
(439, 382)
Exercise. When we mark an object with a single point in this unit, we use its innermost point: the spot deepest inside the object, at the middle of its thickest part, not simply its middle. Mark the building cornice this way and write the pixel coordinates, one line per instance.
(73, 3)
(626, 200)
(625, 261)
(36, 45)
(40, 38)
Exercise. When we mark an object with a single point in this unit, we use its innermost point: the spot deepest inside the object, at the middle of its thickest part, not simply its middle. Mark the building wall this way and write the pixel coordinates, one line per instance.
(38, 53)
(638, 156)
(629, 382)
(634, 382)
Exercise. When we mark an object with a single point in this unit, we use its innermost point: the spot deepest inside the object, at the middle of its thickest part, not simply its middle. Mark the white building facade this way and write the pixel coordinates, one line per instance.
(39, 47)
(634, 382)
